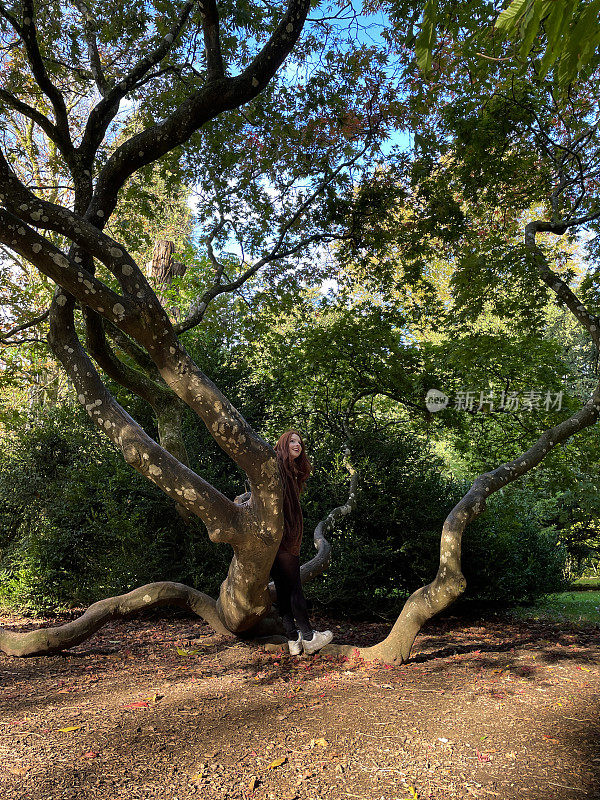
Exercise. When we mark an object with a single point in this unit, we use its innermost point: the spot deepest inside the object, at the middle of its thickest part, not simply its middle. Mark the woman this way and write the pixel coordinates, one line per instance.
(294, 468)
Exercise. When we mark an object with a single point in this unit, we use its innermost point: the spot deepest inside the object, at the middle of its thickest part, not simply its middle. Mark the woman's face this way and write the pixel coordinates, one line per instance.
(295, 446)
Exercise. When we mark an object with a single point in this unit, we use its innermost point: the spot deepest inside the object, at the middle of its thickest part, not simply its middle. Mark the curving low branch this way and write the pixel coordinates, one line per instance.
(46, 641)
(319, 563)
(5, 338)
(449, 582)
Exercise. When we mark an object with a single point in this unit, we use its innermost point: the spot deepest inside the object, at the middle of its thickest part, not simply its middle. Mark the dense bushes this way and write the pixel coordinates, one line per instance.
(77, 524)
(390, 545)
(509, 555)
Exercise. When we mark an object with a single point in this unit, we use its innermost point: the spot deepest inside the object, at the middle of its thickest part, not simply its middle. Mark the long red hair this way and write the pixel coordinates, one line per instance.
(294, 474)
(295, 469)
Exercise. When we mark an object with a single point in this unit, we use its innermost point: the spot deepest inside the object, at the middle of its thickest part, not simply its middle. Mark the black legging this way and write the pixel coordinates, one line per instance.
(290, 597)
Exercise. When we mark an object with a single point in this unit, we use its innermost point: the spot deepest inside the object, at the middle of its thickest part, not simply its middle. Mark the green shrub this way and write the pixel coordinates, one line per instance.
(509, 556)
(390, 545)
(78, 524)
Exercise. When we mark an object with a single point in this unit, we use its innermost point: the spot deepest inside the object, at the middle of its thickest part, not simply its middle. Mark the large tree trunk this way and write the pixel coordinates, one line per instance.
(46, 641)
(162, 269)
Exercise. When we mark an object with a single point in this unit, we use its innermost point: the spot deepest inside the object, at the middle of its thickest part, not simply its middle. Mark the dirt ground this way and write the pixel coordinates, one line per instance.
(161, 708)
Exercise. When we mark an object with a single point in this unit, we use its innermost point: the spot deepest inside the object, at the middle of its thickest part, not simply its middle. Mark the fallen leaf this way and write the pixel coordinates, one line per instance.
(18, 770)
(72, 728)
(253, 783)
(181, 651)
(277, 763)
(90, 754)
(319, 743)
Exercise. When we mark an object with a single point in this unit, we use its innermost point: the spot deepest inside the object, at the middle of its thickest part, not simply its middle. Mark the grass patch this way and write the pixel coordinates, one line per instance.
(581, 584)
(579, 606)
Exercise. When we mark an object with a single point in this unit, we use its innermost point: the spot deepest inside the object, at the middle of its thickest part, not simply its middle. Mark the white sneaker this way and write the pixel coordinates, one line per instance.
(295, 645)
(319, 640)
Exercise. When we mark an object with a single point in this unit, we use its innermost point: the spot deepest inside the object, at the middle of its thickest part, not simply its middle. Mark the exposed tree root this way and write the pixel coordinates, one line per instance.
(46, 641)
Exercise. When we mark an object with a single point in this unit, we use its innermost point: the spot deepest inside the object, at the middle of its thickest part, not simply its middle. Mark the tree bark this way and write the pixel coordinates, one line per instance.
(162, 270)
(268, 628)
(46, 641)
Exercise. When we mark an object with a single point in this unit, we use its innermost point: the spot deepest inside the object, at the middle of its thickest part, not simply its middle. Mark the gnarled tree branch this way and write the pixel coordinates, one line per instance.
(89, 26)
(210, 27)
(4, 337)
(32, 113)
(321, 560)
(254, 533)
(216, 96)
(46, 641)
(103, 114)
(29, 34)
(562, 290)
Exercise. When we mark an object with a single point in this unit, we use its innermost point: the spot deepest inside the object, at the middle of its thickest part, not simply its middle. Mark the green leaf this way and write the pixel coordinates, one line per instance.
(511, 16)
(556, 26)
(529, 28)
(581, 44)
(427, 36)
(182, 651)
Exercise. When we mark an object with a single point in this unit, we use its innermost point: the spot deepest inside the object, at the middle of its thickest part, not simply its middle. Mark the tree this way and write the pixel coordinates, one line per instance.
(53, 86)
(67, 69)
(56, 76)
(519, 127)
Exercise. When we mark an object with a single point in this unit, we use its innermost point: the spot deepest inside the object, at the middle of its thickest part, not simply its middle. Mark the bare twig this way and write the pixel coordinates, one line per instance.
(24, 326)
